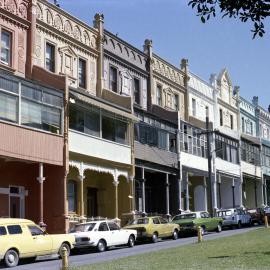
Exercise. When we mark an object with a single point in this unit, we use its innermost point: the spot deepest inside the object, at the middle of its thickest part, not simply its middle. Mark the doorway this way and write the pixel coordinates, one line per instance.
(92, 210)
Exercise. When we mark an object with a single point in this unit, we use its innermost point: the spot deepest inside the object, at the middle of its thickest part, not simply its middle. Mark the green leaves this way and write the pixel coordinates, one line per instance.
(245, 10)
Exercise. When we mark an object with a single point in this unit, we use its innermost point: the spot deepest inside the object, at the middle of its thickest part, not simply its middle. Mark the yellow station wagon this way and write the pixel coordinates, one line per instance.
(153, 228)
(22, 238)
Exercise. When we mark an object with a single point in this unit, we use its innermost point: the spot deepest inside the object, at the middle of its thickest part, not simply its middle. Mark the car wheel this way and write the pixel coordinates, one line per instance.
(175, 235)
(239, 225)
(101, 246)
(131, 241)
(60, 252)
(219, 228)
(154, 237)
(11, 258)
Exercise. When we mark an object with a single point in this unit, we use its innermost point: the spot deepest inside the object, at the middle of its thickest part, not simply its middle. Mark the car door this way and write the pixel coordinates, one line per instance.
(207, 221)
(165, 227)
(156, 226)
(104, 233)
(41, 241)
(115, 233)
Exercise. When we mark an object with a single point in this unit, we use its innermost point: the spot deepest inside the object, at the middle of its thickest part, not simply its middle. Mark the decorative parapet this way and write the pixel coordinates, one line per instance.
(67, 24)
(16, 7)
(168, 71)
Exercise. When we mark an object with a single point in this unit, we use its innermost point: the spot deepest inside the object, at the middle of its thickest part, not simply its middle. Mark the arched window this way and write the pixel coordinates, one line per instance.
(72, 196)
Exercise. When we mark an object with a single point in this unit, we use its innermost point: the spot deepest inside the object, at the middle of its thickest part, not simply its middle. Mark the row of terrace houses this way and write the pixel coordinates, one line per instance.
(92, 126)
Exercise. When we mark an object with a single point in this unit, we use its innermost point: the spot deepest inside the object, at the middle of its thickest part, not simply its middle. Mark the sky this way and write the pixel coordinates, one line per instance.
(178, 33)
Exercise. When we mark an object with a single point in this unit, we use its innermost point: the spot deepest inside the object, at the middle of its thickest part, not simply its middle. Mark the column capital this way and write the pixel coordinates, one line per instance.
(81, 177)
(41, 179)
(115, 183)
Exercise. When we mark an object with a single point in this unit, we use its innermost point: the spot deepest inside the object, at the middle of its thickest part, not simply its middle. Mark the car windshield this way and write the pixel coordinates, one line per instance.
(224, 213)
(84, 227)
(139, 221)
(185, 216)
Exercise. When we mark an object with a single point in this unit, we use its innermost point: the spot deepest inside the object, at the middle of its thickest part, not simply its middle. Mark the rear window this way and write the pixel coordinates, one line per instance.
(139, 221)
(14, 229)
(224, 213)
(3, 231)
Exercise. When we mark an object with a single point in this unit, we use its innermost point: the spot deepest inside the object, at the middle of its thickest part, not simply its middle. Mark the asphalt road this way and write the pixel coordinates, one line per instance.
(92, 257)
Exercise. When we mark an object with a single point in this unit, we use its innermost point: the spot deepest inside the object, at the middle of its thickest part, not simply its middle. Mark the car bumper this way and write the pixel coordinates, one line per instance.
(84, 245)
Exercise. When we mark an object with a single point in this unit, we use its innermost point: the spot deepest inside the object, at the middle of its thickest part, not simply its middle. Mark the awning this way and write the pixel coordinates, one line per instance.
(103, 106)
(252, 139)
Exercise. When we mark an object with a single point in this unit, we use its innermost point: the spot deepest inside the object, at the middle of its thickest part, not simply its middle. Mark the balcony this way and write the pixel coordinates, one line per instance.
(97, 147)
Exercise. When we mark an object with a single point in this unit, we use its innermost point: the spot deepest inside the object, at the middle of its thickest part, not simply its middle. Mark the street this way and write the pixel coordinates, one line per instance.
(93, 257)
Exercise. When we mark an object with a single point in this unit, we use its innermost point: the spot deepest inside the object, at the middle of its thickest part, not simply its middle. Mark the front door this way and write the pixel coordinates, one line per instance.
(14, 206)
(92, 202)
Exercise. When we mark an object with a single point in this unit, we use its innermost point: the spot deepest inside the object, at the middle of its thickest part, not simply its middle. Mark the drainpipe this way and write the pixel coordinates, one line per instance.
(41, 180)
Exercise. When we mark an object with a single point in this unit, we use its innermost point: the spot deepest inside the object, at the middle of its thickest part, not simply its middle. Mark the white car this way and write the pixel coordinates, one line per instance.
(102, 234)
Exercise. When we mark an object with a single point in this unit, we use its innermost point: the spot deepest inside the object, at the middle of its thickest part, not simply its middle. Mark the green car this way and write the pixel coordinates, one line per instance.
(189, 222)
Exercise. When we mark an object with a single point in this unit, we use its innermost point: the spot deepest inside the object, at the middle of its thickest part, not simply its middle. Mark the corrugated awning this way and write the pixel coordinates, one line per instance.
(103, 106)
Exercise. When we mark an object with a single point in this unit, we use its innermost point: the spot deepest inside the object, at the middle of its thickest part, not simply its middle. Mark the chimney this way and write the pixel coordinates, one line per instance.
(184, 64)
(269, 108)
(255, 101)
(213, 79)
(236, 91)
(56, 3)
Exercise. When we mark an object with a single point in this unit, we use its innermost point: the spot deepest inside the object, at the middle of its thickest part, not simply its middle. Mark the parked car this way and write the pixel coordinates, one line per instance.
(189, 222)
(102, 234)
(234, 217)
(21, 238)
(152, 228)
(257, 215)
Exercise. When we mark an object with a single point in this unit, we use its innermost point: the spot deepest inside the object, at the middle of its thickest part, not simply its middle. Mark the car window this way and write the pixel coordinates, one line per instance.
(103, 227)
(14, 229)
(156, 221)
(139, 221)
(3, 231)
(34, 230)
(185, 216)
(113, 226)
(163, 221)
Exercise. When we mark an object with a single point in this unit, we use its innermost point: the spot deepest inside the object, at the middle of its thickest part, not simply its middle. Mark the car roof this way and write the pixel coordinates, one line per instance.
(5, 221)
(95, 221)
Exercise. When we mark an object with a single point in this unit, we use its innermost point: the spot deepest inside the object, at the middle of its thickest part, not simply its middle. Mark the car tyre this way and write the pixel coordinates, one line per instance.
(131, 241)
(60, 252)
(154, 237)
(219, 228)
(175, 235)
(101, 246)
(11, 258)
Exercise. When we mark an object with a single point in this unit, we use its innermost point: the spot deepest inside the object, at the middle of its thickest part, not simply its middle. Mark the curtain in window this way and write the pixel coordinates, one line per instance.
(92, 123)
(8, 107)
(121, 132)
(31, 114)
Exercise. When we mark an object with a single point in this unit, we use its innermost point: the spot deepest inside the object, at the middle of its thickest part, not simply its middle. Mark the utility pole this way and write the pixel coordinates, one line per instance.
(209, 157)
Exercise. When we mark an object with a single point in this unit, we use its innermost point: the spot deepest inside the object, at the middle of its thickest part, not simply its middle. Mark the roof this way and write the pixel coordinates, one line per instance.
(5, 221)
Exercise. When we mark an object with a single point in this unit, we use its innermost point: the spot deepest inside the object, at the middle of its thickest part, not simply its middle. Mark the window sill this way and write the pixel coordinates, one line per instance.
(7, 68)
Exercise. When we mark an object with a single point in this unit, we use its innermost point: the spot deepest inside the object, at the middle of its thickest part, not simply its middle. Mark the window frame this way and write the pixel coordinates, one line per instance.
(11, 35)
(84, 85)
(137, 92)
(194, 107)
(159, 98)
(74, 197)
(117, 78)
(54, 46)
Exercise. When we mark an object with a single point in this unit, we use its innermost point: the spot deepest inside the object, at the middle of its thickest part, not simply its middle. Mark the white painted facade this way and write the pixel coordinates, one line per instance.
(88, 145)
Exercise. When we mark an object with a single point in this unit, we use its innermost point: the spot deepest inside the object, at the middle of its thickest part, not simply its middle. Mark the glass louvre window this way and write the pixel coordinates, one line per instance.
(136, 90)
(82, 73)
(50, 57)
(121, 132)
(193, 107)
(92, 123)
(8, 107)
(72, 196)
(158, 95)
(108, 128)
(76, 119)
(113, 79)
(6, 47)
